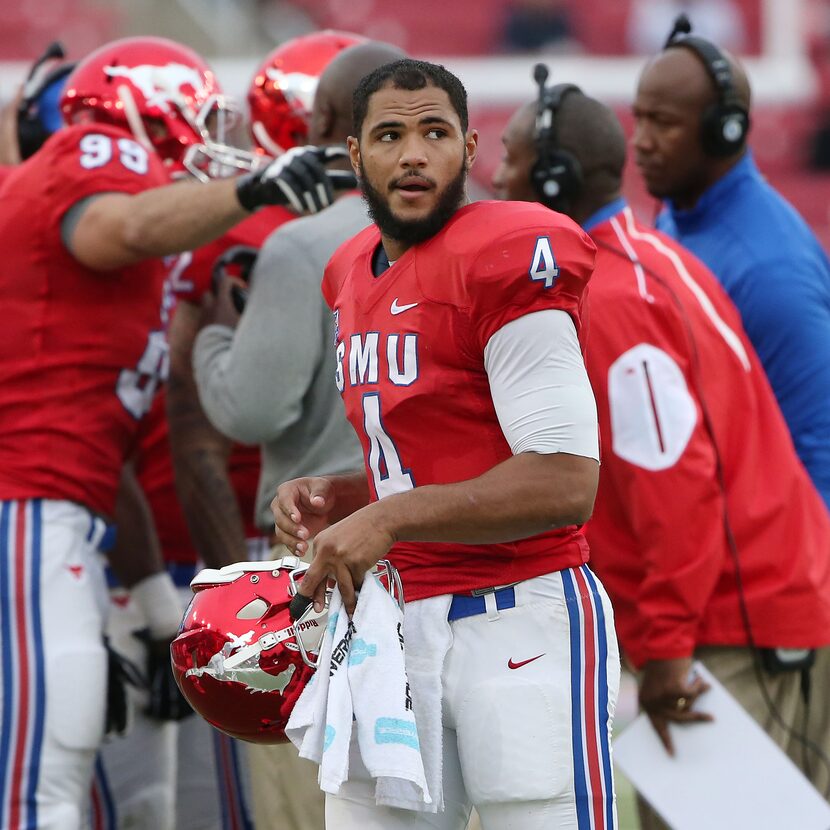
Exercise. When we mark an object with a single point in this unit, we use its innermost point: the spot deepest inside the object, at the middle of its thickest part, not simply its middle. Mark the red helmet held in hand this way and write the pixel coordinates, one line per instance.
(239, 658)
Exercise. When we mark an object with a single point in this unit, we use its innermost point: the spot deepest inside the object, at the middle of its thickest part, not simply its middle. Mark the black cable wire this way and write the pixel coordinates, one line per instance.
(801, 737)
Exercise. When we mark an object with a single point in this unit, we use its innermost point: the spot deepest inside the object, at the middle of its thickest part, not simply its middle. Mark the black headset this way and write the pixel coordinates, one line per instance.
(725, 124)
(31, 134)
(557, 175)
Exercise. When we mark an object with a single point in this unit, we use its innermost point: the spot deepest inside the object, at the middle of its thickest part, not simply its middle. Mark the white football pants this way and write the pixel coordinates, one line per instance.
(529, 695)
(53, 664)
(165, 775)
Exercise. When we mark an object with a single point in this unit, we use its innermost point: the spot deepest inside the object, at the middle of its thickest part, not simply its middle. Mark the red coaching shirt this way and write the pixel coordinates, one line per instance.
(82, 351)
(410, 365)
(666, 353)
(191, 280)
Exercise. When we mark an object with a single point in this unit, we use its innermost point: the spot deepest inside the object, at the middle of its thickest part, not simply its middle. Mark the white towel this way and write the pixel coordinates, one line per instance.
(428, 637)
(363, 675)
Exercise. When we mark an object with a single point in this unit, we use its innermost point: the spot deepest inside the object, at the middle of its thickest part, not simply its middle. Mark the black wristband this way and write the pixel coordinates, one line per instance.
(247, 191)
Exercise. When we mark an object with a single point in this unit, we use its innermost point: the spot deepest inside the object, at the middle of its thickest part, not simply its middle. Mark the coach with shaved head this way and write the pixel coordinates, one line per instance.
(691, 121)
(698, 469)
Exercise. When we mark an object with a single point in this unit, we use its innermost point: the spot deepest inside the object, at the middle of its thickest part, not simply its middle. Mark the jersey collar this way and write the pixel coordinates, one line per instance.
(604, 214)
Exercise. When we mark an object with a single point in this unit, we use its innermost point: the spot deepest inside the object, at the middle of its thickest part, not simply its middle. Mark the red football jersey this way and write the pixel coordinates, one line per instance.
(675, 377)
(410, 365)
(191, 280)
(82, 350)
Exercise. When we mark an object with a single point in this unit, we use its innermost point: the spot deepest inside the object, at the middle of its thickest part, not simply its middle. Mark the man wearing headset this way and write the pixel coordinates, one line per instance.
(691, 495)
(691, 122)
(34, 113)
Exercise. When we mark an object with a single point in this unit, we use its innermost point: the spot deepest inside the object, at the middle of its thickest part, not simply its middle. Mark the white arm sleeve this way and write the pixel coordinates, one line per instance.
(540, 388)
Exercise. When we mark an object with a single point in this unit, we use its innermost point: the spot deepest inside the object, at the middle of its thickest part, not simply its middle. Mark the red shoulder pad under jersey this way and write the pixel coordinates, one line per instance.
(342, 260)
(86, 159)
(192, 275)
(503, 260)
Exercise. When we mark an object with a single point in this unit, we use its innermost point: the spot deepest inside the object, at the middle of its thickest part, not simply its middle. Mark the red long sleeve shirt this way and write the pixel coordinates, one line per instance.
(680, 392)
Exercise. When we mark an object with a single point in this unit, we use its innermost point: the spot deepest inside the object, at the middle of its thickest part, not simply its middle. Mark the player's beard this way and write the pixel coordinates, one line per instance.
(413, 231)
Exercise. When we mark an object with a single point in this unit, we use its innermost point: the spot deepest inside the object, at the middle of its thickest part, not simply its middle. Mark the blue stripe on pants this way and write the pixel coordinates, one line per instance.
(604, 746)
(6, 645)
(583, 815)
(39, 668)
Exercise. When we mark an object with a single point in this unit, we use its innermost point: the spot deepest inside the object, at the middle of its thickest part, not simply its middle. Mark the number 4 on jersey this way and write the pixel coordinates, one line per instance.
(543, 266)
(388, 473)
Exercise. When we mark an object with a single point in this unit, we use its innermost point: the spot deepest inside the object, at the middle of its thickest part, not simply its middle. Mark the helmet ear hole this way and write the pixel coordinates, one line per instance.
(254, 610)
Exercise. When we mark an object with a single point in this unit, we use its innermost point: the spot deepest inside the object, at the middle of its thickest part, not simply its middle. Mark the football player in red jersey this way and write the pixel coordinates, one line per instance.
(671, 365)
(85, 221)
(460, 368)
(207, 515)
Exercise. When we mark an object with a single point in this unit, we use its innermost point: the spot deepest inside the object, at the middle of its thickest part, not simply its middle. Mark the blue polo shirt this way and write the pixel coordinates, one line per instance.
(776, 273)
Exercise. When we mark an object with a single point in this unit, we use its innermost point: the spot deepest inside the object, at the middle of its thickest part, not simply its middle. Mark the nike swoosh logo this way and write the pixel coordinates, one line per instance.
(399, 309)
(513, 665)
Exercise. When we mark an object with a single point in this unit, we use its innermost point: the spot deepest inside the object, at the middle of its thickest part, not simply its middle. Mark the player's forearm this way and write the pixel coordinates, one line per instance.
(523, 496)
(116, 229)
(208, 500)
(200, 457)
(167, 220)
(210, 507)
(136, 554)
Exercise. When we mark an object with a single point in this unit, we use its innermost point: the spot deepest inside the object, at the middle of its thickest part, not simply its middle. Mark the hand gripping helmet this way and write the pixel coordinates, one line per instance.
(159, 90)
(282, 90)
(239, 658)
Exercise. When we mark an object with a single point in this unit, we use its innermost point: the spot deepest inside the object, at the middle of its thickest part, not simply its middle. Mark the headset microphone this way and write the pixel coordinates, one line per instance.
(682, 26)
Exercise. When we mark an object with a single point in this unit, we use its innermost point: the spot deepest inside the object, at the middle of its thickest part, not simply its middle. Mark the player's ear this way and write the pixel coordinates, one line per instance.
(354, 154)
(470, 148)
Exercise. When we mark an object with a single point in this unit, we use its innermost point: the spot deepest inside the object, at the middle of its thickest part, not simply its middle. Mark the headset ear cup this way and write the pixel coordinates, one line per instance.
(558, 182)
(724, 129)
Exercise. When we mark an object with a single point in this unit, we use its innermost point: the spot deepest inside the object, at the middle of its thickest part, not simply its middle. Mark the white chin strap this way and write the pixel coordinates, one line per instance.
(265, 140)
(134, 118)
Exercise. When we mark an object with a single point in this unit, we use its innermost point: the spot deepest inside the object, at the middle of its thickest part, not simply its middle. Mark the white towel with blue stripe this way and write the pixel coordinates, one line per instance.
(362, 679)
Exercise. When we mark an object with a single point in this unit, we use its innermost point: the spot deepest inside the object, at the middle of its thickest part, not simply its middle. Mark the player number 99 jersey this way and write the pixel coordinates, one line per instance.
(84, 351)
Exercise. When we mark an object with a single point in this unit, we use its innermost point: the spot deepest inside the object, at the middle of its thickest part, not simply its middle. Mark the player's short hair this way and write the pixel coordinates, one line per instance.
(411, 75)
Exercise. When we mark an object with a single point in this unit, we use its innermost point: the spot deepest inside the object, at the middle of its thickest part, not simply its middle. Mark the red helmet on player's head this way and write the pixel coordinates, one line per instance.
(239, 658)
(159, 90)
(282, 90)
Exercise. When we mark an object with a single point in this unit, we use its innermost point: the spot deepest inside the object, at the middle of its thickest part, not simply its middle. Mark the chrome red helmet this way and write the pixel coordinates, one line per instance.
(159, 90)
(239, 658)
(283, 87)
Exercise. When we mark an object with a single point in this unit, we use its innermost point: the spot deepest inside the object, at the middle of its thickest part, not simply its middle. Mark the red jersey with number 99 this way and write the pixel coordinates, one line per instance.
(83, 351)
(410, 366)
